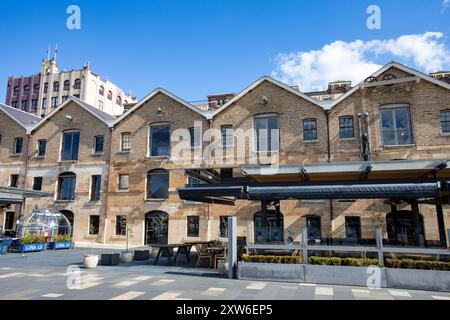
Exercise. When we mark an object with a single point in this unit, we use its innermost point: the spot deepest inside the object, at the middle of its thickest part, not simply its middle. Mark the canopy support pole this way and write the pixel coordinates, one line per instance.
(441, 223)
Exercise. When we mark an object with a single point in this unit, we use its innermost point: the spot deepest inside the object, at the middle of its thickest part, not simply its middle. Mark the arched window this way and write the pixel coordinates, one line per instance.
(158, 184)
(66, 186)
(77, 84)
(119, 100)
(110, 95)
(26, 90)
(67, 85)
(16, 91)
(56, 86)
(101, 91)
(36, 88)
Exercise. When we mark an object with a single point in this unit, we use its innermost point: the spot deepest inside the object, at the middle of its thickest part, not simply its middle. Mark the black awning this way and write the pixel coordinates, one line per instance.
(210, 194)
(355, 191)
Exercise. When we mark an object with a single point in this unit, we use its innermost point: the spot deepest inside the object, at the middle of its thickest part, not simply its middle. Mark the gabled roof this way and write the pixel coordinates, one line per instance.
(100, 115)
(399, 66)
(154, 93)
(257, 83)
(24, 119)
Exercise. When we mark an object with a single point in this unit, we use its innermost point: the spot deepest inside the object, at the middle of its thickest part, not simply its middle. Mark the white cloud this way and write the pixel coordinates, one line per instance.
(445, 4)
(312, 70)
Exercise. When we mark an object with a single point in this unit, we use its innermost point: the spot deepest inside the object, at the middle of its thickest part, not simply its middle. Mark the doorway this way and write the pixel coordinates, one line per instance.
(156, 228)
(269, 227)
(401, 229)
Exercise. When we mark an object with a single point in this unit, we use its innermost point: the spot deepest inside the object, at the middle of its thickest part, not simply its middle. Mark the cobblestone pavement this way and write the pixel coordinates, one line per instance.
(45, 275)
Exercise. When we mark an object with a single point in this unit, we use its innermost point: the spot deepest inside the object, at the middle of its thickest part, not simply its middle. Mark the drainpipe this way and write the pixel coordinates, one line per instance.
(27, 155)
(108, 179)
(327, 115)
(369, 145)
(209, 206)
(361, 147)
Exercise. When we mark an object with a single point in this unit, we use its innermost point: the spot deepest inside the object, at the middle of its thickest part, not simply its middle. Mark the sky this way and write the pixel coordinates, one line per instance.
(194, 48)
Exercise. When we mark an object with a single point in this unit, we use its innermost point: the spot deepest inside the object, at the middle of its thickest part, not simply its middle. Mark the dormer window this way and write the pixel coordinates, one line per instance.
(396, 126)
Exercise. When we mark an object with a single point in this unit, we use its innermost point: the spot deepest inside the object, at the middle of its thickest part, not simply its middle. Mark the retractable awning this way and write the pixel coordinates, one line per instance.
(7, 198)
(225, 195)
(355, 191)
(15, 196)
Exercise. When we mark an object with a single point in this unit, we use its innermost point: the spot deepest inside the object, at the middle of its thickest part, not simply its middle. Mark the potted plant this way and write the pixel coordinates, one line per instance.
(126, 256)
(91, 260)
(60, 242)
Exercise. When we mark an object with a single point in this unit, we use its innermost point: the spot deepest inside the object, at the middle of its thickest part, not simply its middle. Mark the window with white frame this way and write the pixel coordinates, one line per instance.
(396, 126)
(267, 133)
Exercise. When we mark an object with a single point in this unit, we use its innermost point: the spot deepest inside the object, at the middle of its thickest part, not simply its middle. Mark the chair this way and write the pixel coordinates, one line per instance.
(296, 253)
(202, 254)
(222, 256)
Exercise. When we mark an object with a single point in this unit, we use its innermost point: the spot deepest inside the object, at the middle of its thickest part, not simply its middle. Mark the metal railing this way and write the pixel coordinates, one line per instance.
(380, 249)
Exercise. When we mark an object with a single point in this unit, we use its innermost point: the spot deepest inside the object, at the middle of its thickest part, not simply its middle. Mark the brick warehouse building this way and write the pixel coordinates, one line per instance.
(107, 173)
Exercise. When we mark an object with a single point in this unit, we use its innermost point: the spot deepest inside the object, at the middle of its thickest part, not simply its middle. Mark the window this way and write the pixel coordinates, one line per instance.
(14, 181)
(346, 127)
(9, 221)
(124, 180)
(100, 104)
(71, 141)
(26, 90)
(119, 100)
(14, 104)
(77, 96)
(96, 186)
(196, 137)
(24, 105)
(121, 226)
(16, 91)
(158, 184)
(54, 102)
(445, 121)
(42, 146)
(56, 86)
(223, 227)
(65, 98)
(126, 141)
(160, 140)
(98, 144)
(67, 85)
(101, 91)
(66, 186)
(36, 88)
(46, 87)
(310, 130)
(110, 95)
(44, 103)
(77, 84)
(396, 126)
(227, 136)
(193, 226)
(37, 183)
(313, 229)
(267, 129)
(34, 104)
(94, 225)
(353, 228)
(18, 145)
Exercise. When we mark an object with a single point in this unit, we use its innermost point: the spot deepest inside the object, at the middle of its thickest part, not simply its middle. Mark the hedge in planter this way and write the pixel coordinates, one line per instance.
(417, 264)
(30, 243)
(270, 259)
(347, 262)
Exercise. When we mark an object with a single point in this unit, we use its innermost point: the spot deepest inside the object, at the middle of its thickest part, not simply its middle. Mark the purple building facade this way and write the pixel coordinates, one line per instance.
(23, 93)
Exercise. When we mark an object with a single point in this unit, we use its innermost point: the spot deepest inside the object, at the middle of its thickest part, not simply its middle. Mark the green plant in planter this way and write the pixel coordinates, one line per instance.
(31, 239)
(61, 238)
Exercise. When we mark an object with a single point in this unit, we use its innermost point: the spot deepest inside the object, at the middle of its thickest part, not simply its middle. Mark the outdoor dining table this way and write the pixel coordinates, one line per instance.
(214, 251)
(167, 249)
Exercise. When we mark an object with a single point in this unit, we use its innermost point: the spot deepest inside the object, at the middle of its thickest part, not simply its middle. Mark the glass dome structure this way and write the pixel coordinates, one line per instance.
(45, 223)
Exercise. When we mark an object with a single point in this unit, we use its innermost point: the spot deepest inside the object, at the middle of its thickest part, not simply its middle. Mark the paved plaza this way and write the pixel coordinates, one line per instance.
(45, 275)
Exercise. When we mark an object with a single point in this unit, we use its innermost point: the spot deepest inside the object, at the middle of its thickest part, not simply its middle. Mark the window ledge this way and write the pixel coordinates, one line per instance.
(445, 134)
(64, 201)
(124, 152)
(98, 154)
(347, 139)
(155, 200)
(68, 161)
(94, 203)
(399, 146)
(311, 141)
(157, 157)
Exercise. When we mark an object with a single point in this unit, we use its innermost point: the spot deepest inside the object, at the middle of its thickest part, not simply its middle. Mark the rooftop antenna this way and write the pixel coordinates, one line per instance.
(48, 53)
(56, 52)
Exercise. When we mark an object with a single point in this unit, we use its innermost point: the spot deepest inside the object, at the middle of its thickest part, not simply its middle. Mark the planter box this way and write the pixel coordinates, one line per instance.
(60, 245)
(33, 247)
(3, 249)
(341, 275)
(426, 280)
(110, 259)
(141, 255)
(271, 271)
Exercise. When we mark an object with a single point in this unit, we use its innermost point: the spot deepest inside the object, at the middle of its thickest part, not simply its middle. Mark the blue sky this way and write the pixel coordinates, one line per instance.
(198, 47)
